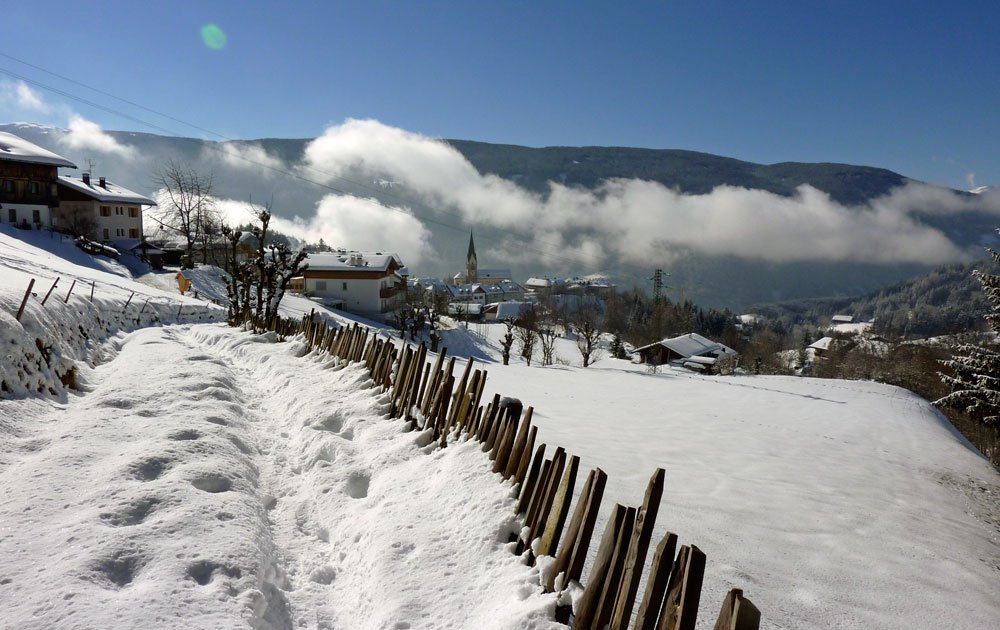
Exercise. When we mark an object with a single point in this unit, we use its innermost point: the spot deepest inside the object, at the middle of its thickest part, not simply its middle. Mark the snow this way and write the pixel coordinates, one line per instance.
(109, 192)
(204, 477)
(851, 328)
(831, 503)
(366, 261)
(212, 493)
(17, 149)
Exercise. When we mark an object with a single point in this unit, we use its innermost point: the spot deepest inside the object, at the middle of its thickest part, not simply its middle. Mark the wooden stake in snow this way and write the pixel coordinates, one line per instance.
(20, 310)
(50, 291)
(93, 284)
(70, 292)
(128, 300)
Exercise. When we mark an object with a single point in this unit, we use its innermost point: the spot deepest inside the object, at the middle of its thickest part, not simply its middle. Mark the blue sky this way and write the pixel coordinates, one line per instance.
(911, 86)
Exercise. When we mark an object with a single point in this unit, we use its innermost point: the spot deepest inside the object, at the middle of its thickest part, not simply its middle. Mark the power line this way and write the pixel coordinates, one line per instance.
(219, 148)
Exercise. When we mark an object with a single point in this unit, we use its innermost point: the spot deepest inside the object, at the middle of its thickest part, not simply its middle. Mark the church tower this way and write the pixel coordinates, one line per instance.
(471, 267)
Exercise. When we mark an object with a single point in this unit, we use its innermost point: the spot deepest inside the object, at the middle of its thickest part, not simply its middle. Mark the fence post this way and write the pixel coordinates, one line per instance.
(93, 284)
(129, 300)
(52, 288)
(20, 310)
(588, 604)
(70, 292)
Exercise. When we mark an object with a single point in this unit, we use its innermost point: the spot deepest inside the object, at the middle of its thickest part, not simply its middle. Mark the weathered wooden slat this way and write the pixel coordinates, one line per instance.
(556, 518)
(638, 547)
(738, 613)
(513, 456)
(573, 552)
(537, 519)
(528, 488)
(525, 457)
(435, 380)
(680, 606)
(656, 583)
(586, 607)
(613, 582)
(423, 386)
(536, 495)
(460, 391)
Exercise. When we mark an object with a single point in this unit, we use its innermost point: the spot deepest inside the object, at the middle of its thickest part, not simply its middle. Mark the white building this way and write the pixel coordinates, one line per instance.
(102, 211)
(365, 283)
(28, 175)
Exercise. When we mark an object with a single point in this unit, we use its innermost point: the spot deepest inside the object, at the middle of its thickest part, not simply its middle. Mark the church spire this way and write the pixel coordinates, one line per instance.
(471, 266)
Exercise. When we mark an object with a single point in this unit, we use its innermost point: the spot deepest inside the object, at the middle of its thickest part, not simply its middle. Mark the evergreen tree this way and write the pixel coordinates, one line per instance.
(975, 386)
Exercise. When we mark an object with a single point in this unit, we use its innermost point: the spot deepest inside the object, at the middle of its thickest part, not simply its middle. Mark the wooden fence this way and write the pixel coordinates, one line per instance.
(430, 395)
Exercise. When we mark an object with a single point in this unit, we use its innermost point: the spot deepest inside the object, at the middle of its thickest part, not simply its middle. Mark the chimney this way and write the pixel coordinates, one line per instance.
(104, 183)
(86, 178)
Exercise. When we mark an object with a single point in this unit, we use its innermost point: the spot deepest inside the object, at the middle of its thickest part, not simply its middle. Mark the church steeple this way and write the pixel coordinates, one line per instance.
(471, 266)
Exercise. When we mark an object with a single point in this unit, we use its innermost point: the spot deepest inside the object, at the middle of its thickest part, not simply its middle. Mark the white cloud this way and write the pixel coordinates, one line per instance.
(631, 220)
(245, 156)
(29, 99)
(349, 222)
(84, 134)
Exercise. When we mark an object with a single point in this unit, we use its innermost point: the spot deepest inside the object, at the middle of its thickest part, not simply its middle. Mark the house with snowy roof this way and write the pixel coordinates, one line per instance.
(689, 348)
(28, 182)
(367, 283)
(100, 211)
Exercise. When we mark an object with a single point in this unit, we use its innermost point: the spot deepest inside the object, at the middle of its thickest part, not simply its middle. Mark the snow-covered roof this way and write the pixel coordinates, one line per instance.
(538, 283)
(17, 149)
(843, 319)
(486, 274)
(822, 344)
(504, 310)
(355, 261)
(110, 191)
(691, 345)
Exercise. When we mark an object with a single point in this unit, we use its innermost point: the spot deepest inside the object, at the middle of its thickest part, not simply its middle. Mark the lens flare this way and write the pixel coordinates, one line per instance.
(213, 37)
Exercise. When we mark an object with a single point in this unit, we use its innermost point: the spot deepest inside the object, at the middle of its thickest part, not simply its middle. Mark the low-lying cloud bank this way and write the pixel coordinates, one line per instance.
(341, 221)
(630, 221)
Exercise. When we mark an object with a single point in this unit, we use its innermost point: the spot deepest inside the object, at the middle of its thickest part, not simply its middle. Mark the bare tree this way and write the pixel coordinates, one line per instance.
(507, 340)
(189, 206)
(586, 325)
(257, 286)
(527, 333)
(547, 336)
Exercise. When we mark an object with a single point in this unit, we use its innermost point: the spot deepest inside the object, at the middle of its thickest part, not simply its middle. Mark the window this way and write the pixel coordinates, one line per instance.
(106, 237)
(120, 232)
(12, 215)
(33, 187)
(118, 210)
(133, 233)
(36, 216)
(321, 285)
(53, 190)
(345, 286)
(105, 211)
(133, 212)
(8, 185)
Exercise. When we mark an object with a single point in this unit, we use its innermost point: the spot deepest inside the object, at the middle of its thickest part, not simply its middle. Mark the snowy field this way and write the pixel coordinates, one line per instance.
(204, 477)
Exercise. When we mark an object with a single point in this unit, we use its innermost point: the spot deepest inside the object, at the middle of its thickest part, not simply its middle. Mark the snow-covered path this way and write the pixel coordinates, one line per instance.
(209, 478)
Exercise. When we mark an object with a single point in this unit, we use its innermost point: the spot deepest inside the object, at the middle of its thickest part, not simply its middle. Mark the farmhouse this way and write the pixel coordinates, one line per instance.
(28, 178)
(365, 283)
(689, 348)
(102, 211)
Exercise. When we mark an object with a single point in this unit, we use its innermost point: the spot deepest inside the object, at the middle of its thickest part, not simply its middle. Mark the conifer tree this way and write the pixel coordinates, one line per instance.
(975, 386)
